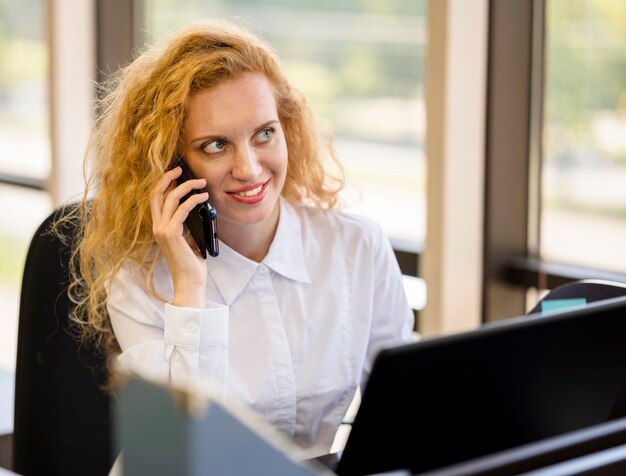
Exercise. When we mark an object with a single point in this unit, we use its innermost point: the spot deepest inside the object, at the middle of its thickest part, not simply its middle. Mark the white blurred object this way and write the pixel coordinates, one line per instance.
(415, 289)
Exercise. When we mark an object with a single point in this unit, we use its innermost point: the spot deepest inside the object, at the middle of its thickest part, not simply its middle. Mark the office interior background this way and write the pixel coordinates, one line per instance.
(486, 136)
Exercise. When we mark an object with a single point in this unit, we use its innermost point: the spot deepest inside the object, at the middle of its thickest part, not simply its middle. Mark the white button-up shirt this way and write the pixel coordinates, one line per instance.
(292, 337)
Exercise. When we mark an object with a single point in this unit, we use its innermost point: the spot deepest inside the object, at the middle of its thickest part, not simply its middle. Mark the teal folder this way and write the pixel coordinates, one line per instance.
(562, 304)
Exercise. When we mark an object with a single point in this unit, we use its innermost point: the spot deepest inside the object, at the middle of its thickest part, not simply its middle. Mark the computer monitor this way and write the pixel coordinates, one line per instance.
(448, 399)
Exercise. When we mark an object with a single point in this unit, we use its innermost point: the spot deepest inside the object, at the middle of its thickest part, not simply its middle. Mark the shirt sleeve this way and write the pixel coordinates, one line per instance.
(159, 341)
(393, 319)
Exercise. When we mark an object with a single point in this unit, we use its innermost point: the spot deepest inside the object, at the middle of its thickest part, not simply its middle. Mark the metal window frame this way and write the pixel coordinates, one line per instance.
(118, 34)
(514, 106)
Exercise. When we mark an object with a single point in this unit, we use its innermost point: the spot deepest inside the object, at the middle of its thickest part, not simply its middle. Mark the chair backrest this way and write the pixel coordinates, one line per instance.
(590, 290)
(62, 417)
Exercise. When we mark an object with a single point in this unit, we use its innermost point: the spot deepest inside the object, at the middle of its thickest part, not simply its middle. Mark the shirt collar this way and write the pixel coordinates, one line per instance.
(286, 253)
(232, 271)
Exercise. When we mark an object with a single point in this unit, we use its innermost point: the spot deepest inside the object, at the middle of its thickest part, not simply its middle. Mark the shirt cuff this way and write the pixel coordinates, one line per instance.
(186, 326)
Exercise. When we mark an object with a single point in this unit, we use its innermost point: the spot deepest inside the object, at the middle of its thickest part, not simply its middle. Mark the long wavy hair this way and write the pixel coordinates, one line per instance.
(135, 139)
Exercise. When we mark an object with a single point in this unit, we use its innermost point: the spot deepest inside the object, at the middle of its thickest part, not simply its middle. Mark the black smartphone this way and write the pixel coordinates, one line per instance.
(202, 220)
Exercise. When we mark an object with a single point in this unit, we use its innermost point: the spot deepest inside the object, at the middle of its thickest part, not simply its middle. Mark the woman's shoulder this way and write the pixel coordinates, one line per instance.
(340, 223)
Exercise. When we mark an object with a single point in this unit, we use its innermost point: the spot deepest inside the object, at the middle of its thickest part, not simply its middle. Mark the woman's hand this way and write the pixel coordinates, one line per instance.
(187, 266)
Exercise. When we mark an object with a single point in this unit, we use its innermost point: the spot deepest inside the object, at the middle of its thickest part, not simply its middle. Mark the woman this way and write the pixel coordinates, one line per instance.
(290, 315)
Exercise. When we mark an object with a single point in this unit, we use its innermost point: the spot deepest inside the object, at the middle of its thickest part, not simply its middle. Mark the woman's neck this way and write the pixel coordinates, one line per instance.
(250, 240)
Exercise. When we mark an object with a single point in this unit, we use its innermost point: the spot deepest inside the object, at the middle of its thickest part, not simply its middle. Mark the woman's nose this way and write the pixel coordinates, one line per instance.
(246, 166)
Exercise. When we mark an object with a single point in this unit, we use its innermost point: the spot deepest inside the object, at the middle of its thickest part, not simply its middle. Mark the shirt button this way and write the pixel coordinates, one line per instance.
(192, 327)
(263, 269)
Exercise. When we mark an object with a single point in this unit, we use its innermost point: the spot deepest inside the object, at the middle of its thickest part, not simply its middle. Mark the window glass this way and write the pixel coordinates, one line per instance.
(25, 151)
(24, 129)
(361, 65)
(17, 226)
(584, 170)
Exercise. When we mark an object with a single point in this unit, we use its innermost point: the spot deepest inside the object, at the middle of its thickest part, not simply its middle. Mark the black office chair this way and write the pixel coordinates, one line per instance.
(62, 417)
(589, 289)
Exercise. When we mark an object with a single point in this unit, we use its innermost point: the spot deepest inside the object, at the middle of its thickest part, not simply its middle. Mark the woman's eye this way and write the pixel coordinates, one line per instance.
(214, 146)
(265, 135)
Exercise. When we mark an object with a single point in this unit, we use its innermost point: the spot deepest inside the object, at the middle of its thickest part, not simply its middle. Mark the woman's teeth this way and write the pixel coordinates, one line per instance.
(250, 193)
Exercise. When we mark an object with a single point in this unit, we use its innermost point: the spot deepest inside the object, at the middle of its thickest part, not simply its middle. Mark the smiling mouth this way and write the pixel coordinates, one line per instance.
(250, 193)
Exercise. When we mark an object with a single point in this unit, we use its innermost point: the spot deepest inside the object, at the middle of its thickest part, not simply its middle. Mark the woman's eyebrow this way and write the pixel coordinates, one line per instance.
(206, 138)
(265, 124)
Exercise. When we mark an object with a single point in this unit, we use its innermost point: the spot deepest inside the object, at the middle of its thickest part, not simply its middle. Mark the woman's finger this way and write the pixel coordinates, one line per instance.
(174, 196)
(157, 197)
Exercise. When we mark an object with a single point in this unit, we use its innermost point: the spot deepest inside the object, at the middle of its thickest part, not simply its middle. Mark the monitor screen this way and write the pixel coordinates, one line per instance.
(448, 399)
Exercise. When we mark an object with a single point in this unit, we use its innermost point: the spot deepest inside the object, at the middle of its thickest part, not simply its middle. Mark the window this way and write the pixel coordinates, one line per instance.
(361, 65)
(23, 90)
(25, 151)
(584, 159)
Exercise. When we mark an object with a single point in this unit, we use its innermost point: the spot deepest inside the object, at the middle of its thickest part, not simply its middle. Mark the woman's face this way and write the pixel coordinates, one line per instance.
(232, 137)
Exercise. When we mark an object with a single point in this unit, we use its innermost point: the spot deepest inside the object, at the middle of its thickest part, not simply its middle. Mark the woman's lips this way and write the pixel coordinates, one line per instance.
(251, 194)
